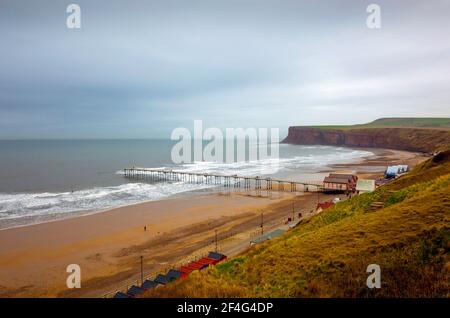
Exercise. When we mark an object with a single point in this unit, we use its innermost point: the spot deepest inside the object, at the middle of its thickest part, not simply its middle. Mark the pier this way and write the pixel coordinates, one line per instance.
(230, 181)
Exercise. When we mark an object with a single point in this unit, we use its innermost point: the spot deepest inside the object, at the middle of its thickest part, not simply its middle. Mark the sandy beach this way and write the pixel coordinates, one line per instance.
(33, 258)
(108, 245)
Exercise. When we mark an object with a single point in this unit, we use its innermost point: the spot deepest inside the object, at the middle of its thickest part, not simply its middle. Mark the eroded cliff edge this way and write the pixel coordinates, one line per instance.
(410, 139)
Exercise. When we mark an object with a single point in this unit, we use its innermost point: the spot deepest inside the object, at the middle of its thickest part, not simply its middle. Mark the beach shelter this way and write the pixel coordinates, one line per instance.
(207, 261)
(162, 279)
(135, 290)
(184, 275)
(187, 269)
(173, 274)
(149, 284)
(216, 256)
(197, 265)
(121, 295)
(364, 186)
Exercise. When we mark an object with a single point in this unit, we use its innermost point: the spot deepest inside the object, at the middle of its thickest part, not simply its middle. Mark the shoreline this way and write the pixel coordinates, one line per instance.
(25, 221)
(82, 213)
(107, 244)
(100, 242)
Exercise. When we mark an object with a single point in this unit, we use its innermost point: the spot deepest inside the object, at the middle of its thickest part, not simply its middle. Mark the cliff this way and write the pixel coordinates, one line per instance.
(411, 139)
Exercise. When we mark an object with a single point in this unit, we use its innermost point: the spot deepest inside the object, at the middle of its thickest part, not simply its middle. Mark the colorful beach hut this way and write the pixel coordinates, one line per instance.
(149, 284)
(173, 274)
(121, 295)
(162, 279)
(216, 256)
(135, 291)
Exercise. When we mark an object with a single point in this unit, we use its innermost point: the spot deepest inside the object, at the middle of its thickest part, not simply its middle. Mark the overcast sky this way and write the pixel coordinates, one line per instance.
(139, 69)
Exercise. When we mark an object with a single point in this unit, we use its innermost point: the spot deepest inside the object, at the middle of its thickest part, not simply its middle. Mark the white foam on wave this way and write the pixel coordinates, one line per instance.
(273, 165)
(17, 205)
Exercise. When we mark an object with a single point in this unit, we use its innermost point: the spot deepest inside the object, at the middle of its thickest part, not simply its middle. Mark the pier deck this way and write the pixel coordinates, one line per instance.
(236, 181)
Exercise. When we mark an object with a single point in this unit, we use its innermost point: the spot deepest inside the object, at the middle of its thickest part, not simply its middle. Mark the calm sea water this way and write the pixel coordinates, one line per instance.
(45, 178)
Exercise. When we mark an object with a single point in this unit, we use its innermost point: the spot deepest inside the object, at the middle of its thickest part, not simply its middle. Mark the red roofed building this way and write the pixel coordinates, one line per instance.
(324, 205)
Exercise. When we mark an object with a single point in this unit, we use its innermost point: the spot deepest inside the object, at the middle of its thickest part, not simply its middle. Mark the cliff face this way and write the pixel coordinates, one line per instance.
(411, 139)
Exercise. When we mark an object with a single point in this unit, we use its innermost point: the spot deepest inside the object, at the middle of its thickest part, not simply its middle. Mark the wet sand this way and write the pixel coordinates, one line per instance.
(108, 245)
(33, 258)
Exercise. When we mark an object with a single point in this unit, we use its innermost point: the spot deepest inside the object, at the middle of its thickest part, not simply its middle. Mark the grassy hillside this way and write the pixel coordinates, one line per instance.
(413, 122)
(327, 256)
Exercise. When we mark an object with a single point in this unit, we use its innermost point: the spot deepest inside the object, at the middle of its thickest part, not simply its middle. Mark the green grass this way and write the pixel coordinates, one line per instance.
(395, 123)
(327, 256)
(412, 122)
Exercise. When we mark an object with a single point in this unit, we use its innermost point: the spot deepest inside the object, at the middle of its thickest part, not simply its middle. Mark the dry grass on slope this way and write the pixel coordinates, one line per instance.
(328, 255)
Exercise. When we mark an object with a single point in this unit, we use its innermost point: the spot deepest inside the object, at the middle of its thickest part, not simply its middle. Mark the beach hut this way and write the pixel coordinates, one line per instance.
(216, 256)
(364, 186)
(184, 275)
(162, 279)
(207, 260)
(149, 284)
(186, 269)
(197, 265)
(121, 295)
(135, 291)
(173, 274)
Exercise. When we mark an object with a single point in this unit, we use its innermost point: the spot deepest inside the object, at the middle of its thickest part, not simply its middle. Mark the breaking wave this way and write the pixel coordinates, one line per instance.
(19, 205)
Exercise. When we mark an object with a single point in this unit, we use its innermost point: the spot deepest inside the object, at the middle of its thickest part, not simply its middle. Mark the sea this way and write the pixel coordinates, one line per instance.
(48, 179)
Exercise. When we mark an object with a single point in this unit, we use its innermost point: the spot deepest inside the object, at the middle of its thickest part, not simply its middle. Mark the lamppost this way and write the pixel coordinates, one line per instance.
(293, 210)
(215, 238)
(318, 194)
(142, 269)
(262, 223)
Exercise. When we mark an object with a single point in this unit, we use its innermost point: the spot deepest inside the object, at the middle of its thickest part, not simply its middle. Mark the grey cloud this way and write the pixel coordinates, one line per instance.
(142, 68)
